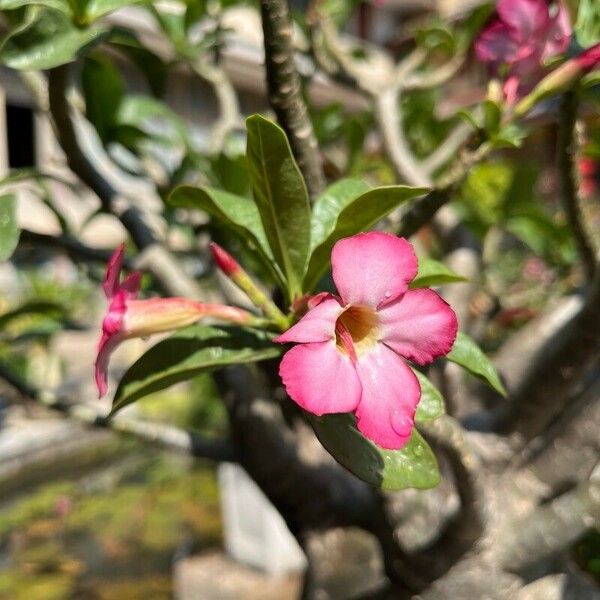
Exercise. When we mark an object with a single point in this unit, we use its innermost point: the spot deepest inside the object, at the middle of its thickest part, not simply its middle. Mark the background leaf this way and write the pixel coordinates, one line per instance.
(189, 352)
(469, 355)
(433, 272)
(9, 230)
(357, 215)
(237, 213)
(414, 466)
(281, 198)
(48, 39)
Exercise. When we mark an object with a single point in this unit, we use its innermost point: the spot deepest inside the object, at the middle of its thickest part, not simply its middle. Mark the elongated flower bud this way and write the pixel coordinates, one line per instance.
(234, 271)
(560, 79)
(128, 317)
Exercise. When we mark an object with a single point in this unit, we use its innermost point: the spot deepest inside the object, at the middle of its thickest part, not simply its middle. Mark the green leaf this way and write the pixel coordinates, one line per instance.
(148, 63)
(431, 405)
(103, 89)
(414, 466)
(358, 215)
(587, 26)
(432, 272)
(328, 206)
(9, 230)
(281, 198)
(61, 5)
(47, 39)
(188, 353)
(469, 355)
(42, 308)
(94, 9)
(237, 213)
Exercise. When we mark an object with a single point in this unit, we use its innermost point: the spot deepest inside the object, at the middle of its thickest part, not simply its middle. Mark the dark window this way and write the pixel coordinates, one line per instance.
(20, 133)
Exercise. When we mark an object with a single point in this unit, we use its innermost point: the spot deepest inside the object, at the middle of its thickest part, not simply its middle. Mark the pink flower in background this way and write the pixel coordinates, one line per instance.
(352, 349)
(127, 317)
(521, 38)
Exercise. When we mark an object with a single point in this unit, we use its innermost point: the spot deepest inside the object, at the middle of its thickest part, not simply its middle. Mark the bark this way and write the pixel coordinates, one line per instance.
(554, 379)
(285, 92)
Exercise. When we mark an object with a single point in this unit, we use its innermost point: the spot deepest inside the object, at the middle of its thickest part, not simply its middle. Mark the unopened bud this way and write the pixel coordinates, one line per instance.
(560, 79)
(224, 260)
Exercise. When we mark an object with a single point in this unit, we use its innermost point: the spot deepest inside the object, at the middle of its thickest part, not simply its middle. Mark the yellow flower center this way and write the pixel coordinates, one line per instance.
(356, 331)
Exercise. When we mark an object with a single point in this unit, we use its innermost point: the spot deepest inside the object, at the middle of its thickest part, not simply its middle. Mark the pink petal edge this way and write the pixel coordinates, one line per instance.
(420, 326)
(320, 379)
(372, 269)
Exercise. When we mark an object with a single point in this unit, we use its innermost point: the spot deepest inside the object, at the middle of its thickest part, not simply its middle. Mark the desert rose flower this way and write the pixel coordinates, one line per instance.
(128, 317)
(352, 349)
(520, 39)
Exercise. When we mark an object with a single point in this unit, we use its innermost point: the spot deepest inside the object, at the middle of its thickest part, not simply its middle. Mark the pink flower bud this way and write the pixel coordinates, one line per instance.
(224, 260)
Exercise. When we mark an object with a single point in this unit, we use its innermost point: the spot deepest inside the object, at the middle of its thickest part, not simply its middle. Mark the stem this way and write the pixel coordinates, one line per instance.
(285, 94)
(565, 152)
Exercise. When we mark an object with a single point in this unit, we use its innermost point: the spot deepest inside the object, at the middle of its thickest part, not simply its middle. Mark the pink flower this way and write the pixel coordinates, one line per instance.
(128, 317)
(352, 349)
(521, 38)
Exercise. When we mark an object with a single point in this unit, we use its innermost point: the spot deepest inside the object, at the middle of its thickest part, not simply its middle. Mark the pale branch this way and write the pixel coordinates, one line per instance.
(163, 265)
(550, 529)
(553, 379)
(285, 92)
(389, 122)
(160, 434)
(565, 156)
(435, 77)
(230, 115)
(447, 149)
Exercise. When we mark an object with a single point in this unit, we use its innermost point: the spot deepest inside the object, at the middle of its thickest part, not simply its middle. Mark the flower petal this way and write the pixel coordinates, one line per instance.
(390, 394)
(107, 345)
(558, 35)
(495, 45)
(420, 326)
(131, 285)
(372, 268)
(113, 272)
(317, 325)
(527, 18)
(320, 379)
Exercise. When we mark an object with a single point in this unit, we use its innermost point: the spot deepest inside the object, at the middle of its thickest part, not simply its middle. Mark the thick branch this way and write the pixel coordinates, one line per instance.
(551, 528)
(553, 380)
(160, 434)
(285, 93)
(565, 152)
(161, 263)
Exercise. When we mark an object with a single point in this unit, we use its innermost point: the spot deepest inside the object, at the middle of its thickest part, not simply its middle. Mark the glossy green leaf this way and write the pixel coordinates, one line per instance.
(188, 353)
(469, 355)
(431, 405)
(432, 272)
(414, 466)
(47, 39)
(237, 213)
(9, 230)
(328, 206)
(358, 215)
(281, 198)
